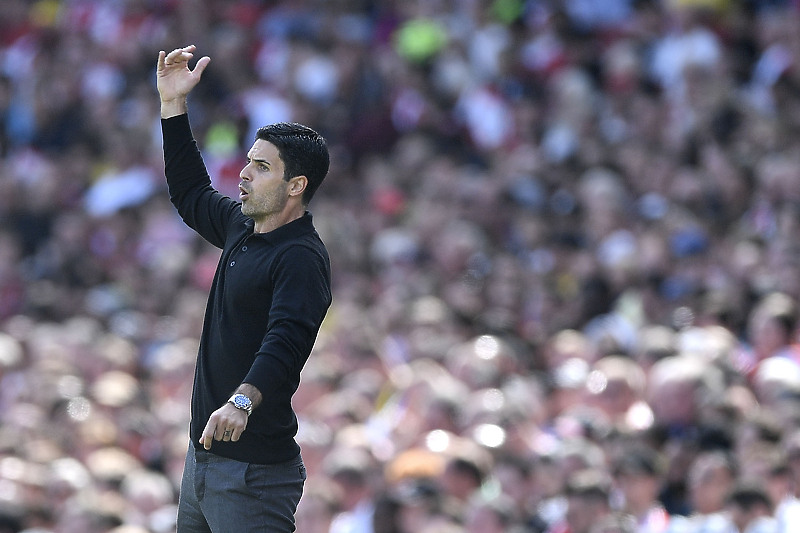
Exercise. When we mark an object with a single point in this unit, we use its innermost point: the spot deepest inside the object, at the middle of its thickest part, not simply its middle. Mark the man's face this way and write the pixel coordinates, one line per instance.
(583, 512)
(709, 482)
(639, 489)
(263, 191)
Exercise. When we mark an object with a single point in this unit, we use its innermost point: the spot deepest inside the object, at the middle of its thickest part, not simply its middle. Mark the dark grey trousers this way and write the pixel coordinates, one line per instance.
(220, 495)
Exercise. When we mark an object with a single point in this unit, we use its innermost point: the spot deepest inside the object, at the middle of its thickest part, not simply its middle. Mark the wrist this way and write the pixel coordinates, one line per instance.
(251, 391)
(171, 108)
(241, 402)
(246, 398)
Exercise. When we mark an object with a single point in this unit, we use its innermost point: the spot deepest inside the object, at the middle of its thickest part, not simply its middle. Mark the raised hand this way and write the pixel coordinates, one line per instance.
(175, 80)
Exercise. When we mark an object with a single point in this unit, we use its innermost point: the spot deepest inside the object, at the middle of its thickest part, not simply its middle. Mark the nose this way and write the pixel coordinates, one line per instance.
(243, 173)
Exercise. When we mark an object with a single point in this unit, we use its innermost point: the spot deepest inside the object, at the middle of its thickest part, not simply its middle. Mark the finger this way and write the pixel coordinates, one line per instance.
(179, 55)
(186, 51)
(227, 435)
(208, 435)
(162, 55)
(182, 57)
(170, 57)
(237, 432)
(183, 49)
(201, 65)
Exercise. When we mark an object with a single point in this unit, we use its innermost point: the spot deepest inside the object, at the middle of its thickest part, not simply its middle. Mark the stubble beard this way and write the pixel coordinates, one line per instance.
(265, 207)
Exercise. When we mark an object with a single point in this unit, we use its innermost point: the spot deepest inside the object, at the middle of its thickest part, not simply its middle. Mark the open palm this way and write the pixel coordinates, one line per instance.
(174, 79)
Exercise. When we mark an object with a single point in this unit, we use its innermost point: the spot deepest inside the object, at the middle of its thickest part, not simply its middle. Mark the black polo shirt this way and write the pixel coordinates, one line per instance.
(270, 294)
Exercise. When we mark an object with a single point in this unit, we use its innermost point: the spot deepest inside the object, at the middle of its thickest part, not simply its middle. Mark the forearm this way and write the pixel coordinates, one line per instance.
(301, 298)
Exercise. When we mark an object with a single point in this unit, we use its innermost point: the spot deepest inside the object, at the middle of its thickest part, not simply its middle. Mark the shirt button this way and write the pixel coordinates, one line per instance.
(244, 248)
(233, 263)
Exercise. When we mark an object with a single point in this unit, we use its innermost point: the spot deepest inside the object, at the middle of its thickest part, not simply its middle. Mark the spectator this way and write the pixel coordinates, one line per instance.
(352, 472)
(587, 502)
(750, 508)
(616, 523)
(465, 470)
(639, 474)
(713, 474)
(616, 385)
(318, 506)
(496, 515)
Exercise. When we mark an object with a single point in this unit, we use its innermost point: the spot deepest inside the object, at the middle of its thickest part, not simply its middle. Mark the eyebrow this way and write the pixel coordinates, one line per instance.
(257, 160)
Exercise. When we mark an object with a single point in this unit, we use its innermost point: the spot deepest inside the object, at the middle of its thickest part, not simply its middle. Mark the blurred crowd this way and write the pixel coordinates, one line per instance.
(565, 239)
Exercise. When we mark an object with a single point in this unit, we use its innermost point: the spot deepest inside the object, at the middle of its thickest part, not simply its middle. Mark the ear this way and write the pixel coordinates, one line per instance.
(297, 185)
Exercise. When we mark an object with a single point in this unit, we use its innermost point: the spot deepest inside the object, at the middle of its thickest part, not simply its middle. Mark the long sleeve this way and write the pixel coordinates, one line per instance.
(300, 298)
(200, 206)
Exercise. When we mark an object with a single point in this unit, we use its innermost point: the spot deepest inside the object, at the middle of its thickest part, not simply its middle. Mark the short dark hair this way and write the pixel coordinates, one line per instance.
(467, 467)
(638, 459)
(749, 494)
(303, 151)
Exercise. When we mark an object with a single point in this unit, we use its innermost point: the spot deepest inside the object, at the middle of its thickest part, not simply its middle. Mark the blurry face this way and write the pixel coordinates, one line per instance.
(767, 336)
(483, 520)
(778, 486)
(582, 513)
(743, 518)
(793, 456)
(673, 403)
(709, 483)
(414, 517)
(640, 490)
(457, 484)
(615, 398)
(549, 478)
(513, 483)
(313, 515)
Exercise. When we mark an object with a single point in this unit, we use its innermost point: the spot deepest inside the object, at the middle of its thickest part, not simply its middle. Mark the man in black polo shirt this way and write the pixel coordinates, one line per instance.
(270, 294)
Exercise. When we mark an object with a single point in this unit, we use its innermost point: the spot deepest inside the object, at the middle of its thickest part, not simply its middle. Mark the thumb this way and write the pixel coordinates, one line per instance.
(201, 65)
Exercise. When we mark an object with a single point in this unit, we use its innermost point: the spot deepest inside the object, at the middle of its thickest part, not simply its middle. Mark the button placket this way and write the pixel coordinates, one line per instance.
(242, 248)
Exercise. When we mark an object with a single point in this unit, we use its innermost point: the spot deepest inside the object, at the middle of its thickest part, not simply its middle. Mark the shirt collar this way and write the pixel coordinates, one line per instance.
(288, 231)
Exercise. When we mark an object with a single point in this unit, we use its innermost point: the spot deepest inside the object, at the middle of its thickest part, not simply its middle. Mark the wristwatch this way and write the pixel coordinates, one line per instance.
(240, 401)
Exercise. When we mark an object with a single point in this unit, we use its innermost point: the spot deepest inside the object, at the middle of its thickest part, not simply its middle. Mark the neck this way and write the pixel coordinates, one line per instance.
(268, 224)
